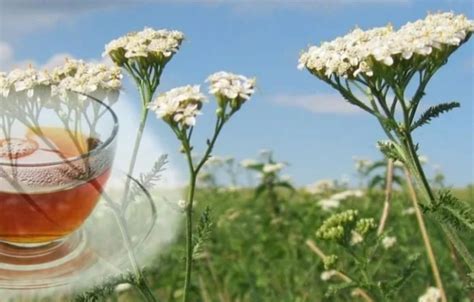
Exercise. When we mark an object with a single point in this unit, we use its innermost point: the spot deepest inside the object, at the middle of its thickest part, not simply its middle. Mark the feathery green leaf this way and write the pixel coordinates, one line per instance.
(434, 112)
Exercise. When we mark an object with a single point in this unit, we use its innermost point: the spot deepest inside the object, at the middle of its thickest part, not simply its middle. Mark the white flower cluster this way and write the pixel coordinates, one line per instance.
(92, 79)
(321, 186)
(149, 43)
(272, 168)
(74, 76)
(27, 80)
(334, 201)
(432, 294)
(359, 50)
(180, 105)
(231, 86)
(356, 238)
(388, 242)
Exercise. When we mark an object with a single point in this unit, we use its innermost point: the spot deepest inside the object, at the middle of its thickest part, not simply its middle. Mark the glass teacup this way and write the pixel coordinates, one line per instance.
(54, 163)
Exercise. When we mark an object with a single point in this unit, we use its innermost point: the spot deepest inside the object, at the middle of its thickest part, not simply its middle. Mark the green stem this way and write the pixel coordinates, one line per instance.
(146, 94)
(193, 173)
(420, 173)
(141, 281)
(189, 237)
(136, 147)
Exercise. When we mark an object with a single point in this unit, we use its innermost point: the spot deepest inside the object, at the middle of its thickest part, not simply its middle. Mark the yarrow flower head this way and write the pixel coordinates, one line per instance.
(74, 80)
(388, 242)
(149, 45)
(27, 80)
(345, 228)
(179, 106)
(231, 88)
(360, 52)
(328, 204)
(87, 79)
(272, 168)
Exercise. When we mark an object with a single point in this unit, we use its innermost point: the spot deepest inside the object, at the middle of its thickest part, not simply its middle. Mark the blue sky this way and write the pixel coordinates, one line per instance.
(294, 114)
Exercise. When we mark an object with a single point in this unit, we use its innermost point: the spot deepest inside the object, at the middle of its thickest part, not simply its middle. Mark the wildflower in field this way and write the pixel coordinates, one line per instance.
(330, 261)
(179, 106)
(321, 186)
(230, 88)
(268, 173)
(357, 52)
(432, 294)
(388, 242)
(272, 168)
(356, 238)
(334, 200)
(385, 72)
(149, 45)
(327, 275)
(347, 194)
(333, 228)
(328, 204)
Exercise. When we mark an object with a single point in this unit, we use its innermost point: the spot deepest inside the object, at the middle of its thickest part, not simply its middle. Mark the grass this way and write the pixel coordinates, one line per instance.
(256, 255)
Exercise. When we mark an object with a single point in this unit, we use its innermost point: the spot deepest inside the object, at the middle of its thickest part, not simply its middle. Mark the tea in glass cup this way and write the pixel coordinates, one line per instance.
(52, 173)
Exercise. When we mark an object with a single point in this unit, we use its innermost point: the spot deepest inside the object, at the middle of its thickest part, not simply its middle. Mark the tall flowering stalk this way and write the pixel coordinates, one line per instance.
(179, 108)
(144, 56)
(381, 64)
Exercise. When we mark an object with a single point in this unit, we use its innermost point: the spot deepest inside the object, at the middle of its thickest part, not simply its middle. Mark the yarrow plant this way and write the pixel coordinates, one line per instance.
(143, 55)
(215, 169)
(382, 63)
(268, 171)
(360, 255)
(178, 108)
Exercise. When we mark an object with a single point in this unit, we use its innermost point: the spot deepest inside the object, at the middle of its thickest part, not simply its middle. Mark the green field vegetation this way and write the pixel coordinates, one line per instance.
(254, 254)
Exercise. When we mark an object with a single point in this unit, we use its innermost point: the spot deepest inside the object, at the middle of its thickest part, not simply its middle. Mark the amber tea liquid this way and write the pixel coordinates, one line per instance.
(44, 203)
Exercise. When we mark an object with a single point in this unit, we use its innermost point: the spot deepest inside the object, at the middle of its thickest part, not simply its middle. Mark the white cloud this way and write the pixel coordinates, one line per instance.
(318, 103)
(6, 54)
(8, 60)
